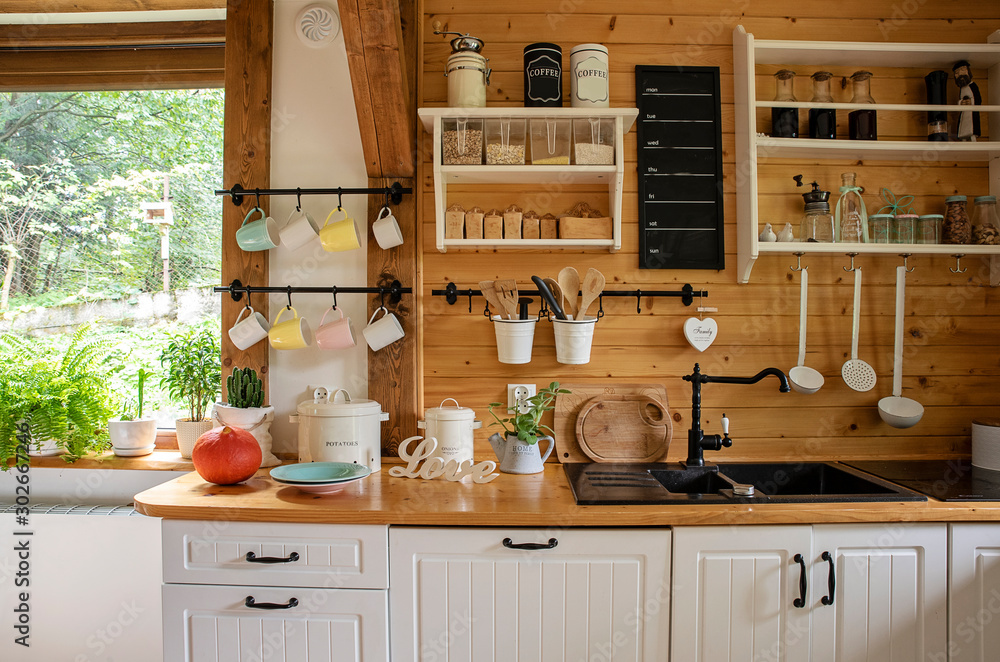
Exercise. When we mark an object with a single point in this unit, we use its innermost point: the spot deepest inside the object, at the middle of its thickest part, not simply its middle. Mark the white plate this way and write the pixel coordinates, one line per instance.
(134, 452)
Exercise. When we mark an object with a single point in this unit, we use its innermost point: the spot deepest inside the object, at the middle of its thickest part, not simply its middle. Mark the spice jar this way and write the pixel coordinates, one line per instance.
(956, 228)
(880, 226)
(822, 121)
(985, 223)
(589, 68)
(904, 229)
(467, 72)
(929, 229)
(862, 124)
(784, 121)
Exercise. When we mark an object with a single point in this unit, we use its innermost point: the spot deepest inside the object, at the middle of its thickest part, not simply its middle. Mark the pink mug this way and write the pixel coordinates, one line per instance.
(338, 334)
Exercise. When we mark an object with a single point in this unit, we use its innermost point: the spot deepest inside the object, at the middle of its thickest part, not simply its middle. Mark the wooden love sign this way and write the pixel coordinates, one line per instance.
(435, 466)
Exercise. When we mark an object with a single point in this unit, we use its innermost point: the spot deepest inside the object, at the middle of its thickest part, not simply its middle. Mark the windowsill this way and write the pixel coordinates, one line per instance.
(158, 460)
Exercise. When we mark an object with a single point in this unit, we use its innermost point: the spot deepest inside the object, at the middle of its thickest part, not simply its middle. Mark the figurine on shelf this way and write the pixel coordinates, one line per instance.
(787, 234)
(968, 95)
(767, 234)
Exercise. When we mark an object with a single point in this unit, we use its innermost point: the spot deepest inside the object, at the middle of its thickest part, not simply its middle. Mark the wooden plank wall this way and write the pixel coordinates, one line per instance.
(953, 321)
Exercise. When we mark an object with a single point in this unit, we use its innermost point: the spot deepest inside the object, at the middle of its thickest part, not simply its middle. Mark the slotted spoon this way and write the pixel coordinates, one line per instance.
(856, 373)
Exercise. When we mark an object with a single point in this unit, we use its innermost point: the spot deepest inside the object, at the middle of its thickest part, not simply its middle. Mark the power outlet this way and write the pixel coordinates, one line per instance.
(517, 396)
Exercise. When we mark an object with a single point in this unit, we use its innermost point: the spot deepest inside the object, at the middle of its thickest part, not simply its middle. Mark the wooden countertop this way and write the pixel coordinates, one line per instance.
(543, 499)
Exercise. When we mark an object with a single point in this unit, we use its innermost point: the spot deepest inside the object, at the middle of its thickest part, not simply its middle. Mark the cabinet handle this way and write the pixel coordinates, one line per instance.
(250, 602)
(800, 601)
(510, 544)
(832, 580)
(291, 558)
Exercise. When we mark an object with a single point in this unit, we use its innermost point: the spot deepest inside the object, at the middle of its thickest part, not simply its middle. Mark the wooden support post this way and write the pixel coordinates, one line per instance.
(246, 160)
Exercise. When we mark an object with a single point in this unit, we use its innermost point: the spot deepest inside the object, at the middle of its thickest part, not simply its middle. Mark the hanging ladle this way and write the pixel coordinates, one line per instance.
(802, 378)
(897, 411)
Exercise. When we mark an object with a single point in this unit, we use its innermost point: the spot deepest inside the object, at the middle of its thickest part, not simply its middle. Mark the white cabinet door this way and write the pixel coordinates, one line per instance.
(734, 589)
(974, 595)
(461, 595)
(890, 602)
(205, 623)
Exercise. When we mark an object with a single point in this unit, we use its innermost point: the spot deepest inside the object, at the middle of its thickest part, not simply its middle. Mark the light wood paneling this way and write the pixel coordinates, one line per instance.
(952, 365)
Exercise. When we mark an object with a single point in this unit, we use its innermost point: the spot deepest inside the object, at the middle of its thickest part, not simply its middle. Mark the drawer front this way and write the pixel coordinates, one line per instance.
(318, 555)
(214, 624)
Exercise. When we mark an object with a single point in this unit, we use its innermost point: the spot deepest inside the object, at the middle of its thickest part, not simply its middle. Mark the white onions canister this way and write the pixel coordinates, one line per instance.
(347, 431)
(986, 443)
(452, 428)
(588, 65)
(468, 75)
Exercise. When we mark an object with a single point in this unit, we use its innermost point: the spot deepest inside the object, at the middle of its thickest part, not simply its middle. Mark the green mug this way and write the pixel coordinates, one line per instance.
(259, 235)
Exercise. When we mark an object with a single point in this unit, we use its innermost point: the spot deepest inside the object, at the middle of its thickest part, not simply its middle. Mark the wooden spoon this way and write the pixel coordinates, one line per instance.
(507, 293)
(593, 285)
(554, 288)
(490, 294)
(569, 283)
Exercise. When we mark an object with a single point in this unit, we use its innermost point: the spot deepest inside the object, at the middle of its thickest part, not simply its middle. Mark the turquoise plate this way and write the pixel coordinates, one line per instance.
(312, 473)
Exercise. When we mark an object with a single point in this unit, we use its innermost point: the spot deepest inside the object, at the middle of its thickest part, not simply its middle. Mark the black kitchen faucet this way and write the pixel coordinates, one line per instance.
(698, 441)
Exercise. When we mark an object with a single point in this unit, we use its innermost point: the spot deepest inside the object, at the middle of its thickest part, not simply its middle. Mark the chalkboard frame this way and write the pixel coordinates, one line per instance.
(675, 262)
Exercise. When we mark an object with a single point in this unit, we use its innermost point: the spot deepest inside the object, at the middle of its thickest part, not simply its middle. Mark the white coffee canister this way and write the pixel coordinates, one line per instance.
(588, 65)
(986, 443)
(346, 431)
(452, 428)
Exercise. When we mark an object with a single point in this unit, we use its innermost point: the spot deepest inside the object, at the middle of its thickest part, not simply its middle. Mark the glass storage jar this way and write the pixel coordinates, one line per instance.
(505, 141)
(956, 228)
(904, 229)
(822, 121)
(929, 229)
(880, 226)
(461, 141)
(862, 124)
(985, 224)
(594, 141)
(550, 140)
(784, 121)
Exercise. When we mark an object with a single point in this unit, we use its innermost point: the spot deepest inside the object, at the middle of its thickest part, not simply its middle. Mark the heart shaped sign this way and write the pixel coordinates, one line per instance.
(700, 333)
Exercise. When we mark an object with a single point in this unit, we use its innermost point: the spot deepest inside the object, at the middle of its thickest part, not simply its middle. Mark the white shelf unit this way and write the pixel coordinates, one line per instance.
(749, 52)
(539, 175)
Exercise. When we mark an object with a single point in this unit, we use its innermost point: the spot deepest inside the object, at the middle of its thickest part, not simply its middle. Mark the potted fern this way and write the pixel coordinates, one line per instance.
(57, 400)
(193, 375)
(131, 434)
(244, 408)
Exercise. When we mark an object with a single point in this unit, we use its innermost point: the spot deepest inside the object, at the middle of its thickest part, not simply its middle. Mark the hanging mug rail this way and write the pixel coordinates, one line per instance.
(686, 294)
(236, 289)
(394, 192)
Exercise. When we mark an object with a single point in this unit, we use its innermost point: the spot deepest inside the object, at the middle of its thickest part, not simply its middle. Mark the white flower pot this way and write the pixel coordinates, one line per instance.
(48, 446)
(133, 437)
(255, 420)
(188, 432)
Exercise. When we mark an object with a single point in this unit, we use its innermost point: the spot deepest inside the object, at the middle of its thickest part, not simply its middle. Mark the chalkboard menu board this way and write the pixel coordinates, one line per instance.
(680, 168)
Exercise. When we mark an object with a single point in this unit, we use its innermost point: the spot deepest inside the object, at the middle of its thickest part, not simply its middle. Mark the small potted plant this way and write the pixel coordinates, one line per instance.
(193, 376)
(517, 452)
(131, 434)
(244, 408)
(57, 401)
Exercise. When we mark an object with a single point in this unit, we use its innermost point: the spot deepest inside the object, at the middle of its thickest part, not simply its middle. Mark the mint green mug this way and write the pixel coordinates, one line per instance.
(259, 235)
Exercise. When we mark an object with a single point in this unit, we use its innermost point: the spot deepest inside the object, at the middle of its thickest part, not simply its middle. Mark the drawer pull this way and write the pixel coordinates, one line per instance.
(800, 601)
(291, 558)
(510, 544)
(831, 580)
(250, 602)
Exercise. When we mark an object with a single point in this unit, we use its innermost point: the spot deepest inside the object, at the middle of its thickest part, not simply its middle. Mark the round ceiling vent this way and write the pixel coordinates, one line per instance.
(317, 25)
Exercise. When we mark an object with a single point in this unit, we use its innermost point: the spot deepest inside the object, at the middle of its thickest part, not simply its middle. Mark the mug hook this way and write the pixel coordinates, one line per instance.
(289, 297)
(387, 192)
(256, 192)
(298, 199)
(340, 198)
(248, 298)
(638, 301)
(335, 297)
(381, 294)
(798, 261)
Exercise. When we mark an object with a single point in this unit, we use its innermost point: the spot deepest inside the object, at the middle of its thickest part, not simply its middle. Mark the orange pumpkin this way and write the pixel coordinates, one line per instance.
(226, 456)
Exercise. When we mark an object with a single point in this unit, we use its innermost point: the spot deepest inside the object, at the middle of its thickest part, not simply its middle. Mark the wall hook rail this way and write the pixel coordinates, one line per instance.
(394, 192)
(236, 290)
(798, 262)
(852, 256)
(686, 294)
(958, 265)
(906, 257)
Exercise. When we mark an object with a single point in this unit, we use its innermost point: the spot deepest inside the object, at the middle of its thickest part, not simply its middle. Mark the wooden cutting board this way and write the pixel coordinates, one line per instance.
(632, 437)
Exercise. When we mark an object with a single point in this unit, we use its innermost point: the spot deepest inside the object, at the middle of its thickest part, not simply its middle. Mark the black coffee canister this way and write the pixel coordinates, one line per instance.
(542, 75)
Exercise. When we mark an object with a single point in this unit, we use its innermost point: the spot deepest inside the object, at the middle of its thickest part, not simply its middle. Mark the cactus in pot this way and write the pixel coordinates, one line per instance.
(244, 408)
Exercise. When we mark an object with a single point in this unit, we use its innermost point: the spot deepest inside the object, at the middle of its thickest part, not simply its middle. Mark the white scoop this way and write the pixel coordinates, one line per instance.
(897, 411)
(857, 374)
(804, 379)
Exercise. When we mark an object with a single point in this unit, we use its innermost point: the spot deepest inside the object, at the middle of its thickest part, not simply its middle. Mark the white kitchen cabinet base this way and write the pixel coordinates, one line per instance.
(974, 592)
(213, 624)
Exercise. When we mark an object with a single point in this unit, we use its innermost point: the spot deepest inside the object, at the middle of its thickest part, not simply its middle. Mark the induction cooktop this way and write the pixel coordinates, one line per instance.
(945, 480)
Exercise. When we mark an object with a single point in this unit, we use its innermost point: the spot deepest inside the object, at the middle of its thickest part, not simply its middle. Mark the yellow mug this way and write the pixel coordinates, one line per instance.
(291, 334)
(340, 235)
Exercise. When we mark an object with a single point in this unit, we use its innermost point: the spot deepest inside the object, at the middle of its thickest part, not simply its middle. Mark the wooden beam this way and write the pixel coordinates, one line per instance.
(246, 160)
(67, 6)
(61, 35)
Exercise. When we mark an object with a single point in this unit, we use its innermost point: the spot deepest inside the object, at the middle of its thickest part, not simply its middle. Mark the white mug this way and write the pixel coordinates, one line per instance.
(299, 230)
(384, 331)
(386, 229)
(248, 332)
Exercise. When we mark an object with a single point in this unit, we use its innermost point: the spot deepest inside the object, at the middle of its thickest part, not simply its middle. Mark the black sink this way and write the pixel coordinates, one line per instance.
(773, 482)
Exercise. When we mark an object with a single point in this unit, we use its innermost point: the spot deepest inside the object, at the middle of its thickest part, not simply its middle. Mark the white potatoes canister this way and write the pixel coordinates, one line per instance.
(468, 75)
(347, 431)
(452, 427)
(588, 65)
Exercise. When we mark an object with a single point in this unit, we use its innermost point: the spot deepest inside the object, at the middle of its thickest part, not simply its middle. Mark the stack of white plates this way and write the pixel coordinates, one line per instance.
(320, 477)
(986, 443)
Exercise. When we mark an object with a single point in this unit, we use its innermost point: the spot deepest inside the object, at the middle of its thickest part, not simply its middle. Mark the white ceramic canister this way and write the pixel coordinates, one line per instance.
(468, 75)
(588, 65)
(347, 431)
(986, 443)
(452, 428)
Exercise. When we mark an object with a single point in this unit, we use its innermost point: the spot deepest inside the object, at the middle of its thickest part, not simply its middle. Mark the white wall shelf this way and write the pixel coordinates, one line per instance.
(611, 176)
(748, 52)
